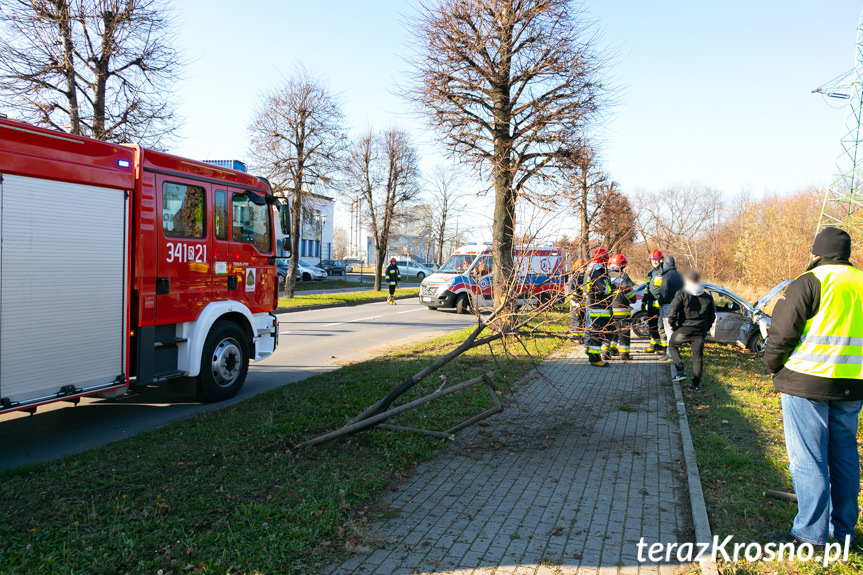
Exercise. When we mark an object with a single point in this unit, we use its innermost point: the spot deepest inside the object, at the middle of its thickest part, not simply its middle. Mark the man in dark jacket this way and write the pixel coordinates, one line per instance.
(690, 316)
(815, 358)
(650, 301)
(575, 297)
(394, 277)
(671, 283)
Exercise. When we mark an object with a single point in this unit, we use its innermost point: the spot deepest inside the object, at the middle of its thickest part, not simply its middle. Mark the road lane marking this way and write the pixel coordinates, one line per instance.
(351, 321)
(410, 310)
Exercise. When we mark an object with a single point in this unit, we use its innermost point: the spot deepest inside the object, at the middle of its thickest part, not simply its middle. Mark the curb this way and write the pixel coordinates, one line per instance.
(280, 311)
(693, 479)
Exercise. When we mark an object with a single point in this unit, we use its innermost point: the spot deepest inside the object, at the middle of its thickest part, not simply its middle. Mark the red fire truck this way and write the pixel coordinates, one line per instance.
(120, 264)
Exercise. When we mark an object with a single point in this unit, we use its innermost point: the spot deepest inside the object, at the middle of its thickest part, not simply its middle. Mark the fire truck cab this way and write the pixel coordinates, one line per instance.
(124, 265)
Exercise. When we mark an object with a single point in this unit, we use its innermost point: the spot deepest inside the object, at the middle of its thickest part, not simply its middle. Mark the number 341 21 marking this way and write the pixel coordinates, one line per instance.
(186, 253)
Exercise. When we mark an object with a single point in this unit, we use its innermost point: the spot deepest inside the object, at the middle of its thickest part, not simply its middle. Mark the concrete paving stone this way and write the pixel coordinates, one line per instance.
(572, 462)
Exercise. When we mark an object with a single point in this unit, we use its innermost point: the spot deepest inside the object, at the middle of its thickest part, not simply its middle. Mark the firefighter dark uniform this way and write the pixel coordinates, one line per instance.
(575, 297)
(650, 302)
(598, 296)
(621, 306)
(394, 277)
(815, 354)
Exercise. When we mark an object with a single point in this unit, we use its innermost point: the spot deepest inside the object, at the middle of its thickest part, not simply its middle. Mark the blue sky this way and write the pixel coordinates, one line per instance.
(709, 92)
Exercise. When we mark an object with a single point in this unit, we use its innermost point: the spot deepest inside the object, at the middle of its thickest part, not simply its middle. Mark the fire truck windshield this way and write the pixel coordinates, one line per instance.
(457, 264)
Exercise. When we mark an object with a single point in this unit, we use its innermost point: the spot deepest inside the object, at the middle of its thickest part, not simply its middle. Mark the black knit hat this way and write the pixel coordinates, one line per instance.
(832, 242)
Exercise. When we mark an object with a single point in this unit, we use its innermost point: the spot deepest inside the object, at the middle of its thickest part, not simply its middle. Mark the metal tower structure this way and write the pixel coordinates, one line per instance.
(843, 201)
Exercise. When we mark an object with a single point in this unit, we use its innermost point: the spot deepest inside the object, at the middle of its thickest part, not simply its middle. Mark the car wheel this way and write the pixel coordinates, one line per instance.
(461, 304)
(307, 277)
(224, 362)
(639, 324)
(757, 343)
(421, 276)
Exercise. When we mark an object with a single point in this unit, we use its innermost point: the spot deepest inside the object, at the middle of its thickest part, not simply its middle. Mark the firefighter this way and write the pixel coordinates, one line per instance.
(621, 305)
(650, 302)
(815, 358)
(598, 296)
(575, 297)
(394, 277)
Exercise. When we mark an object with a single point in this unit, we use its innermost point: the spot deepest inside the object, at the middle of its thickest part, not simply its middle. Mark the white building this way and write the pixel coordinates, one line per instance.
(316, 228)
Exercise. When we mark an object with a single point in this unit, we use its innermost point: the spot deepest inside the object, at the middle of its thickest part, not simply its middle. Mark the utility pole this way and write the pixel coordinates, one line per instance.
(843, 201)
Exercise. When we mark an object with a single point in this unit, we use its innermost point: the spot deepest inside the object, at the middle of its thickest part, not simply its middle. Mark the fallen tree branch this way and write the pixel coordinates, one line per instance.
(467, 344)
(375, 419)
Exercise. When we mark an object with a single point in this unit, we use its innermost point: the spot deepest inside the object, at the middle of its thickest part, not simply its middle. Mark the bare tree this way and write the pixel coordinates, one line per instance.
(445, 189)
(584, 187)
(298, 140)
(675, 218)
(99, 68)
(615, 221)
(510, 84)
(383, 170)
(341, 243)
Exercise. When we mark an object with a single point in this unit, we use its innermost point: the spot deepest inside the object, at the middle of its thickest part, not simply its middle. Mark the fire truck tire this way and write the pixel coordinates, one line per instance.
(461, 304)
(224, 362)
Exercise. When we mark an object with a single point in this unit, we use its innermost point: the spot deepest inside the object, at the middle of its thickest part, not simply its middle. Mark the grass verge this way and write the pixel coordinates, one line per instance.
(225, 492)
(736, 425)
(303, 301)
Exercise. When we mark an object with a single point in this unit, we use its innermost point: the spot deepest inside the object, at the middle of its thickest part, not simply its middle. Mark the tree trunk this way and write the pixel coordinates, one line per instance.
(101, 73)
(584, 240)
(65, 25)
(381, 248)
(296, 209)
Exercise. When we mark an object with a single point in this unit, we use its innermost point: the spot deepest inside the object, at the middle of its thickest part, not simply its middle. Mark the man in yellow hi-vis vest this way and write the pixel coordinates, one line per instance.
(815, 355)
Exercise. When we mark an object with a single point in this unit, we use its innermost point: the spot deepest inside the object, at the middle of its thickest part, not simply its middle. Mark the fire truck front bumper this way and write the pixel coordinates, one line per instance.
(266, 335)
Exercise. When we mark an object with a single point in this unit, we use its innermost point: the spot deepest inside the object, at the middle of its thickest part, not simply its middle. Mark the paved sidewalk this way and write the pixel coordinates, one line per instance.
(580, 466)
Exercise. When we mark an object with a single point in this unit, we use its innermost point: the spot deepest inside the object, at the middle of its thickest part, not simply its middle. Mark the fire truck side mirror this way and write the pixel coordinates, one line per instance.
(285, 219)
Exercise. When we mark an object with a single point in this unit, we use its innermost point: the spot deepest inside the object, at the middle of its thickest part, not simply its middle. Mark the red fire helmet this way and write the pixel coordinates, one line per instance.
(618, 260)
(656, 255)
(600, 255)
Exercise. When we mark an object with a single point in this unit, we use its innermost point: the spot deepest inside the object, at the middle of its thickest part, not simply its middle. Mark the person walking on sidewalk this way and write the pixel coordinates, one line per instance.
(670, 283)
(690, 316)
(650, 301)
(394, 278)
(815, 360)
(621, 306)
(598, 295)
(575, 297)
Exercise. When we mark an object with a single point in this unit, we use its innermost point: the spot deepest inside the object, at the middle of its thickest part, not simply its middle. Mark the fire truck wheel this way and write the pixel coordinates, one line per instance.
(224, 363)
(461, 304)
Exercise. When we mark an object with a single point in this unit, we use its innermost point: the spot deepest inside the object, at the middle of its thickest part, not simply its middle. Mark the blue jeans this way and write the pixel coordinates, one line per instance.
(821, 439)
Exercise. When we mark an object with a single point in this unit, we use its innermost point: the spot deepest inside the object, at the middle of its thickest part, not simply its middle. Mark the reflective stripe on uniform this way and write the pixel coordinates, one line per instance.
(599, 312)
(831, 340)
(623, 349)
(593, 348)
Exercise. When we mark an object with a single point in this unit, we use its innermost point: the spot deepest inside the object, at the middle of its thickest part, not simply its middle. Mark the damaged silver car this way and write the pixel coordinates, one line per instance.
(738, 322)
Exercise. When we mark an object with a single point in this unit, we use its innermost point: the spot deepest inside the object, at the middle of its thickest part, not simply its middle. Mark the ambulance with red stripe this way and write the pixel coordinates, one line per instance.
(466, 278)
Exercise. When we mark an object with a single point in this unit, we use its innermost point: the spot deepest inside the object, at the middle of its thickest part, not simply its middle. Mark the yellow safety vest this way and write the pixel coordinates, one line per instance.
(832, 342)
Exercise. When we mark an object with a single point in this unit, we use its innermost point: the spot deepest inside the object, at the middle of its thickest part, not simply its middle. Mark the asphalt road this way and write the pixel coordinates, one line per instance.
(310, 342)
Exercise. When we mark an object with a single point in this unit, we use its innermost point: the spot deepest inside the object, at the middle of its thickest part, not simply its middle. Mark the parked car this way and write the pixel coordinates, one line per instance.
(432, 267)
(353, 265)
(333, 267)
(737, 321)
(412, 270)
(305, 271)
